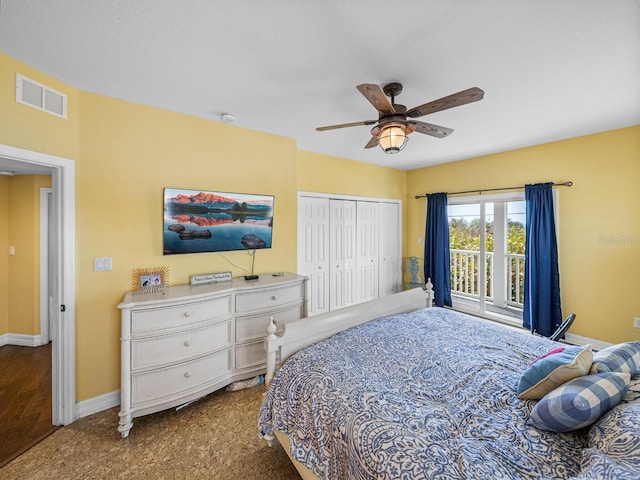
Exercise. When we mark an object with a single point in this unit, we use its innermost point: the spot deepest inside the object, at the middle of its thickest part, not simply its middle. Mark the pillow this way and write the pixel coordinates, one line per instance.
(623, 357)
(554, 369)
(579, 402)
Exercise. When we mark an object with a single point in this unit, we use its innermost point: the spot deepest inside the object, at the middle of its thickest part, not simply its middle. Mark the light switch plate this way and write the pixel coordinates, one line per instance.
(102, 264)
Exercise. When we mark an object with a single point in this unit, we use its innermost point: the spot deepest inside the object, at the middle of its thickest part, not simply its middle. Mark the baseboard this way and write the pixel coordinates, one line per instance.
(20, 340)
(569, 337)
(97, 404)
(580, 340)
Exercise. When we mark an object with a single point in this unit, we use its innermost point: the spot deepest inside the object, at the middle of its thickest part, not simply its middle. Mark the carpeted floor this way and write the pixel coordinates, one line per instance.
(214, 438)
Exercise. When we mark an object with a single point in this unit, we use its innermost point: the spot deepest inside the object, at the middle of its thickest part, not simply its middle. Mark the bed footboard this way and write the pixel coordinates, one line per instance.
(303, 332)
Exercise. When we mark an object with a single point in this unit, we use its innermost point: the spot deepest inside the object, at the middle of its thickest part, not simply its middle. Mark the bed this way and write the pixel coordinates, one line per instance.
(393, 389)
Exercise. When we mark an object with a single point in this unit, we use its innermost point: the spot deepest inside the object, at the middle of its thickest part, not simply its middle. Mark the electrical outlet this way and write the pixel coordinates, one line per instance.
(636, 322)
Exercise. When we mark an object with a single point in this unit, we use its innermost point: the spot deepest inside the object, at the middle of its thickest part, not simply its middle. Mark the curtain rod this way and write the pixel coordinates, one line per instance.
(480, 191)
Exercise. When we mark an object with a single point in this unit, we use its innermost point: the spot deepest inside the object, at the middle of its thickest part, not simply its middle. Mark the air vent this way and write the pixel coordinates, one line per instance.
(39, 96)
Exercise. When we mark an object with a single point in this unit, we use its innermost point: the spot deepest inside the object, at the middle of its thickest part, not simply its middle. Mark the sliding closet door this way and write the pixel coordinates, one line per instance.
(313, 250)
(367, 250)
(350, 248)
(342, 253)
(390, 275)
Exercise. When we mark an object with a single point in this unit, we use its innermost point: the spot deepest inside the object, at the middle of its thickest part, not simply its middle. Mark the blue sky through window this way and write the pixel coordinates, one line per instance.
(471, 211)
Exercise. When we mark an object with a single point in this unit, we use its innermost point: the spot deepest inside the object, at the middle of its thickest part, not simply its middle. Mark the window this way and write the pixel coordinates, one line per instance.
(487, 241)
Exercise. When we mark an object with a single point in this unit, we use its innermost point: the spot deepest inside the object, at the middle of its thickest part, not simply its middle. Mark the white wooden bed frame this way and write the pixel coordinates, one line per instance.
(300, 333)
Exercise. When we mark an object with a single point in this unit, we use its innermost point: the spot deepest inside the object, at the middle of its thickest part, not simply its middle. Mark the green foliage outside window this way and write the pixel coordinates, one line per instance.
(465, 235)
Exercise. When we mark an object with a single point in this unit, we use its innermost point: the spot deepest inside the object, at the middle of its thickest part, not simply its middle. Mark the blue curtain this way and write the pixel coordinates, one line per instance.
(436, 248)
(542, 312)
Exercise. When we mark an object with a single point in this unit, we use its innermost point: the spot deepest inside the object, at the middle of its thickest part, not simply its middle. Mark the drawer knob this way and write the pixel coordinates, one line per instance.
(187, 343)
(187, 313)
(275, 297)
(187, 374)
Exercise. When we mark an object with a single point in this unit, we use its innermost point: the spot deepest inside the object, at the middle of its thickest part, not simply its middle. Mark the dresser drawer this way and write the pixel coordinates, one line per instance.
(181, 378)
(251, 354)
(163, 350)
(269, 298)
(254, 327)
(152, 320)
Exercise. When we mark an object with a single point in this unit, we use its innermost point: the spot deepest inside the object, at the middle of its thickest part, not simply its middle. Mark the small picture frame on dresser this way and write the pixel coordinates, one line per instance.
(149, 280)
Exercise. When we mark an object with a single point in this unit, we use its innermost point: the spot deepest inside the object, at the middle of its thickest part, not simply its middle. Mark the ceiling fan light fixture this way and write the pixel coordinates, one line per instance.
(395, 122)
(393, 137)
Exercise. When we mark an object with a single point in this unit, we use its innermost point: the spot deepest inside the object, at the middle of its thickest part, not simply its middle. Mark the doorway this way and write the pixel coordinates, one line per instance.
(25, 409)
(62, 269)
(487, 240)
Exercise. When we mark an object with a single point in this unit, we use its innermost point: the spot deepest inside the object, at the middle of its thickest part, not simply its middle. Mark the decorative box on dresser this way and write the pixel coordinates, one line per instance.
(183, 342)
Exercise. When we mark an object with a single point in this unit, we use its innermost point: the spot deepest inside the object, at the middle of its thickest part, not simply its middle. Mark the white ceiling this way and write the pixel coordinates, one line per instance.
(550, 69)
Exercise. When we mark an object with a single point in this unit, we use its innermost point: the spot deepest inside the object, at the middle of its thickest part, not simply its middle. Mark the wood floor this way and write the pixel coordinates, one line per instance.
(25, 398)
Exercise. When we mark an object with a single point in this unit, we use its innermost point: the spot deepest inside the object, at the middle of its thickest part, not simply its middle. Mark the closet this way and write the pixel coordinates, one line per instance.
(349, 247)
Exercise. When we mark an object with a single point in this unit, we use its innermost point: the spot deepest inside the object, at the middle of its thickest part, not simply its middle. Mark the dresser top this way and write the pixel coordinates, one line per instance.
(192, 292)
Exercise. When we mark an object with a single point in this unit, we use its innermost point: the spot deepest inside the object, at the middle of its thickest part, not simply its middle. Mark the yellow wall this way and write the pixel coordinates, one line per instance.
(26, 127)
(325, 174)
(598, 226)
(20, 273)
(24, 266)
(4, 255)
(125, 154)
(129, 153)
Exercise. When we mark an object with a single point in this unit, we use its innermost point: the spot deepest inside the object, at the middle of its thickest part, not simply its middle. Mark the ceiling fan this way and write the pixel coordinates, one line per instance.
(395, 122)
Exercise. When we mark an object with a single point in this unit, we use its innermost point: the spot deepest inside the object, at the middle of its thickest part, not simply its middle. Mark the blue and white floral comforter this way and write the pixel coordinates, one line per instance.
(425, 395)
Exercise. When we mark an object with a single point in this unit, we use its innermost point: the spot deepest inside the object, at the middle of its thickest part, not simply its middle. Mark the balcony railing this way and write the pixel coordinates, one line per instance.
(465, 276)
(515, 280)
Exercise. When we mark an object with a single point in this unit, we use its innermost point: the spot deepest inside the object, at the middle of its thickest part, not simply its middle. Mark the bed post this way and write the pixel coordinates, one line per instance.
(271, 348)
(429, 289)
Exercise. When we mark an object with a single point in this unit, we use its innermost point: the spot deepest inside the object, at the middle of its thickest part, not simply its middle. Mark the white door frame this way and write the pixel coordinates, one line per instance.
(63, 236)
(46, 310)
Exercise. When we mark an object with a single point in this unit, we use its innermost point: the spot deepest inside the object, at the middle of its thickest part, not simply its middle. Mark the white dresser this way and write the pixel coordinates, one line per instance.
(184, 342)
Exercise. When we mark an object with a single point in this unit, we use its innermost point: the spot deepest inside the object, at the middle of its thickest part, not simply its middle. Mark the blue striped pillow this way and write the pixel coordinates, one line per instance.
(579, 402)
(623, 357)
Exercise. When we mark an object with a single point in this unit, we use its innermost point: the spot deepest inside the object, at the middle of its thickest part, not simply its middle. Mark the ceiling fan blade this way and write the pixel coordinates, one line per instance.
(378, 99)
(431, 129)
(344, 125)
(461, 98)
(372, 143)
